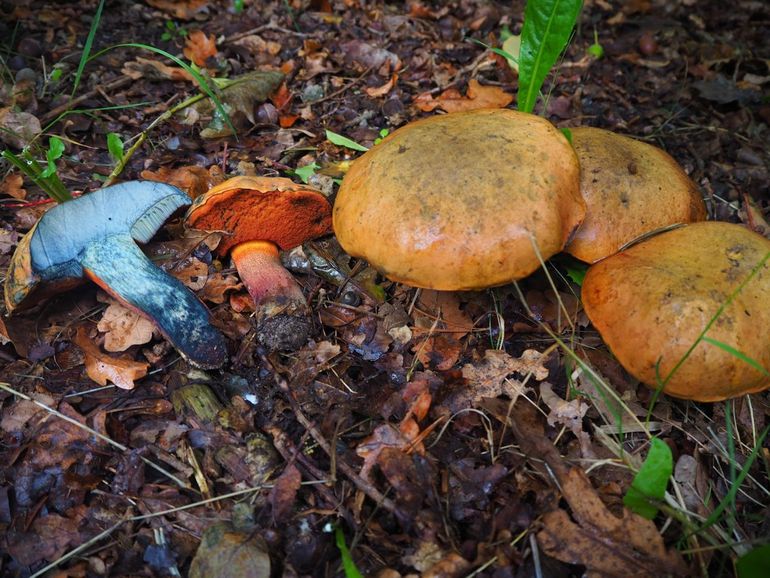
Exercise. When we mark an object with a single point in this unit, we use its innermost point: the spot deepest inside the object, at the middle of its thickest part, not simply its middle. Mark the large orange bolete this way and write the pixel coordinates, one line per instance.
(630, 188)
(652, 302)
(260, 216)
(459, 201)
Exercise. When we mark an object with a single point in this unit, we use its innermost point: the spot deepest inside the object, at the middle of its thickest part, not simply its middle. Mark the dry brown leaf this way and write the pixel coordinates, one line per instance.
(199, 47)
(284, 492)
(192, 272)
(102, 368)
(193, 180)
(13, 186)
(18, 129)
(607, 545)
(477, 96)
(752, 215)
(8, 240)
(154, 70)
(443, 305)
(123, 327)
(218, 286)
(568, 413)
(376, 91)
(182, 9)
(256, 45)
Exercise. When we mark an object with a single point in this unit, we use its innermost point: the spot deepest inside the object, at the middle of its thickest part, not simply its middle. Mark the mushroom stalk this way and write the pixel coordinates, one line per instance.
(282, 313)
(117, 265)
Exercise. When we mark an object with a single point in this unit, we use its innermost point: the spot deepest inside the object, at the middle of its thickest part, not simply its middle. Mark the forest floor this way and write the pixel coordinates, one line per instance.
(394, 425)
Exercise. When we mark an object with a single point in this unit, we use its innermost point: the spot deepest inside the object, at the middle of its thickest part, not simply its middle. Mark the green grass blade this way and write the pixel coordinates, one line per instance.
(739, 354)
(202, 83)
(651, 481)
(546, 32)
(344, 141)
(347, 561)
(84, 58)
(736, 485)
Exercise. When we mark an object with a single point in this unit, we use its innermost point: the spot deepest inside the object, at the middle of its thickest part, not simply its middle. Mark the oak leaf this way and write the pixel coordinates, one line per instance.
(102, 367)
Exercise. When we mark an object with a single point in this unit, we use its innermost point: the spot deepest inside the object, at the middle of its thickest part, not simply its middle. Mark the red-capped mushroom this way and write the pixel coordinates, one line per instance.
(262, 215)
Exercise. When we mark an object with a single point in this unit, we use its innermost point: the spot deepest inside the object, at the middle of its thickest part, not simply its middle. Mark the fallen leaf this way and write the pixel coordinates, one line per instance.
(606, 545)
(123, 327)
(284, 492)
(218, 287)
(102, 367)
(225, 552)
(182, 9)
(444, 306)
(568, 413)
(257, 45)
(8, 240)
(477, 96)
(376, 91)
(13, 186)
(199, 47)
(154, 70)
(18, 129)
(752, 215)
(192, 179)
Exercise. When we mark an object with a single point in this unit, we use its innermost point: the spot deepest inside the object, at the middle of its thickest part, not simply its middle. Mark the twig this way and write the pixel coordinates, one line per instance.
(378, 497)
(93, 432)
(115, 84)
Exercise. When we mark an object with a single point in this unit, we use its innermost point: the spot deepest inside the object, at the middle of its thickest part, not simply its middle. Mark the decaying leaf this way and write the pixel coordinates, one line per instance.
(218, 286)
(18, 129)
(375, 91)
(154, 70)
(102, 367)
(199, 47)
(239, 97)
(13, 186)
(284, 492)
(477, 96)
(123, 327)
(567, 413)
(227, 553)
(607, 545)
(182, 9)
(192, 179)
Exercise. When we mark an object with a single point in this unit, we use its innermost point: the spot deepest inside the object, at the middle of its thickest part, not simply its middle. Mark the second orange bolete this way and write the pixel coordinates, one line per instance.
(652, 302)
(631, 188)
(260, 216)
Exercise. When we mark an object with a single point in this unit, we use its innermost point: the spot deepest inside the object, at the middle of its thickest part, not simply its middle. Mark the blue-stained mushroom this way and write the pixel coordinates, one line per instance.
(94, 237)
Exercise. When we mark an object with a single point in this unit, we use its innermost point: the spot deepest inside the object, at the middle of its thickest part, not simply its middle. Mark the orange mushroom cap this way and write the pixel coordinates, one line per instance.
(630, 188)
(261, 209)
(651, 303)
(458, 201)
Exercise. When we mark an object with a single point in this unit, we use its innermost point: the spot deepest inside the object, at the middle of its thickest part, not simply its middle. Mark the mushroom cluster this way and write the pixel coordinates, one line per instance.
(472, 200)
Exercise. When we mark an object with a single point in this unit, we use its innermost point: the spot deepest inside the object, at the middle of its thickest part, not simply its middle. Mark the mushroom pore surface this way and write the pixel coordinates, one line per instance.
(455, 202)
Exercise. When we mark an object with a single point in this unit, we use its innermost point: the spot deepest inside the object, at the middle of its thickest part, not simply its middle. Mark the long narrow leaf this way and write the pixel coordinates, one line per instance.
(202, 84)
(547, 28)
(87, 48)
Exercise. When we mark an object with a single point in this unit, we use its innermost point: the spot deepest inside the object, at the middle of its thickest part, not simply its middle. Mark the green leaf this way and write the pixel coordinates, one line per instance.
(53, 154)
(547, 28)
(347, 561)
(512, 47)
(651, 481)
(115, 146)
(755, 564)
(304, 173)
(567, 134)
(85, 55)
(343, 141)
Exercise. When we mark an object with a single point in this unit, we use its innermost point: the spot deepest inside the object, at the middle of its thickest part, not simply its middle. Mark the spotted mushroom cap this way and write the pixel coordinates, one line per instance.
(650, 303)
(458, 201)
(261, 209)
(631, 188)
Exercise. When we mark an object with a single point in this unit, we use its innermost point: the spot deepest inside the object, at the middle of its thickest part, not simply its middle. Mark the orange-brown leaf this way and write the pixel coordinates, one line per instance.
(477, 96)
(102, 367)
(199, 47)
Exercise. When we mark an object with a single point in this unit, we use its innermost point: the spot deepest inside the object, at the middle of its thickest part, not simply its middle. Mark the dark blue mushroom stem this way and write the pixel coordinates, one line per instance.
(117, 265)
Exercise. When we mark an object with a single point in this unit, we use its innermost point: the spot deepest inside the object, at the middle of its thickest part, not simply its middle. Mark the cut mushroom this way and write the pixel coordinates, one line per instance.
(462, 201)
(652, 302)
(260, 216)
(631, 188)
(94, 237)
